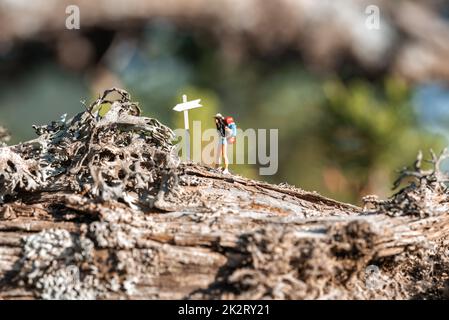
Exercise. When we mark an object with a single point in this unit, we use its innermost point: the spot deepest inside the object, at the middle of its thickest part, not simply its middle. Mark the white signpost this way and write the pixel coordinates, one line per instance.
(186, 106)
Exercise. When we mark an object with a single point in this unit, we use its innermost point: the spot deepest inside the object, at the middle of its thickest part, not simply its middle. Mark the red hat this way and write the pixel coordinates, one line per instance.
(229, 120)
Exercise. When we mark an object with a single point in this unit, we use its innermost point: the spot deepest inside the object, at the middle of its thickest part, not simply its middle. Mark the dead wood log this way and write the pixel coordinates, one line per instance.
(159, 228)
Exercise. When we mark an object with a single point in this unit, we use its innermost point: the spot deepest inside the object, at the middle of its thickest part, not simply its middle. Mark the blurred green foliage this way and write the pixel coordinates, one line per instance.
(371, 130)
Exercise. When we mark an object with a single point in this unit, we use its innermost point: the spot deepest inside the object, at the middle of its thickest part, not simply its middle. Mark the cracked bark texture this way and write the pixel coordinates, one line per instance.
(100, 207)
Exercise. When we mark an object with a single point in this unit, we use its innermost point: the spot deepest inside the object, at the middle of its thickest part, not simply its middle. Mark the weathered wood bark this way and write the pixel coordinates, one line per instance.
(186, 252)
(212, 236)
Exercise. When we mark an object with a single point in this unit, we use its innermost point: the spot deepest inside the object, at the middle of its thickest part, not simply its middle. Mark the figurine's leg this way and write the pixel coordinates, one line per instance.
(225, 157)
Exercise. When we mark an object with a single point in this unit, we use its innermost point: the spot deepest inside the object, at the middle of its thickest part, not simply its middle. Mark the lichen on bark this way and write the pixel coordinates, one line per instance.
(100, 207)
(119, 156)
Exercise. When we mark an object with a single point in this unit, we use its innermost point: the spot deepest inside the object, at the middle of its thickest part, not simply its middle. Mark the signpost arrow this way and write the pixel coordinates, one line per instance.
(185, 106)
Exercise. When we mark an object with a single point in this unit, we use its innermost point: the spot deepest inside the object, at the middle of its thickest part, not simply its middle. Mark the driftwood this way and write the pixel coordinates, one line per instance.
(99, 207)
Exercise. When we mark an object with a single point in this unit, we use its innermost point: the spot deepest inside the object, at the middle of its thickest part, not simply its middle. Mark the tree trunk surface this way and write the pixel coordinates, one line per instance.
(204, 235)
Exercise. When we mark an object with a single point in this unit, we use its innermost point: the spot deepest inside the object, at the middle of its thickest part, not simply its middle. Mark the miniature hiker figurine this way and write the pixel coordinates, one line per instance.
(227, 131)
(222, 143)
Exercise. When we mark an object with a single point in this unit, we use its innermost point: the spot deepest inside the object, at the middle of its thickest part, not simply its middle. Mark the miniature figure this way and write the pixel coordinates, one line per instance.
(227, 131)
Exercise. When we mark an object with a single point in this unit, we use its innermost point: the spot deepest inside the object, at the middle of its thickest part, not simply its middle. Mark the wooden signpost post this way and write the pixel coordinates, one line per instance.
(185, 106)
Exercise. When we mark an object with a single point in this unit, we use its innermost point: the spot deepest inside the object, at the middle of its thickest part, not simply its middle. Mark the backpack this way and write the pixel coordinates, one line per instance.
(231, 125)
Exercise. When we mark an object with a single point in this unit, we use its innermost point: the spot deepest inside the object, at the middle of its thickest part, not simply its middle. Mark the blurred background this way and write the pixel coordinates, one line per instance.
(352, 104)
